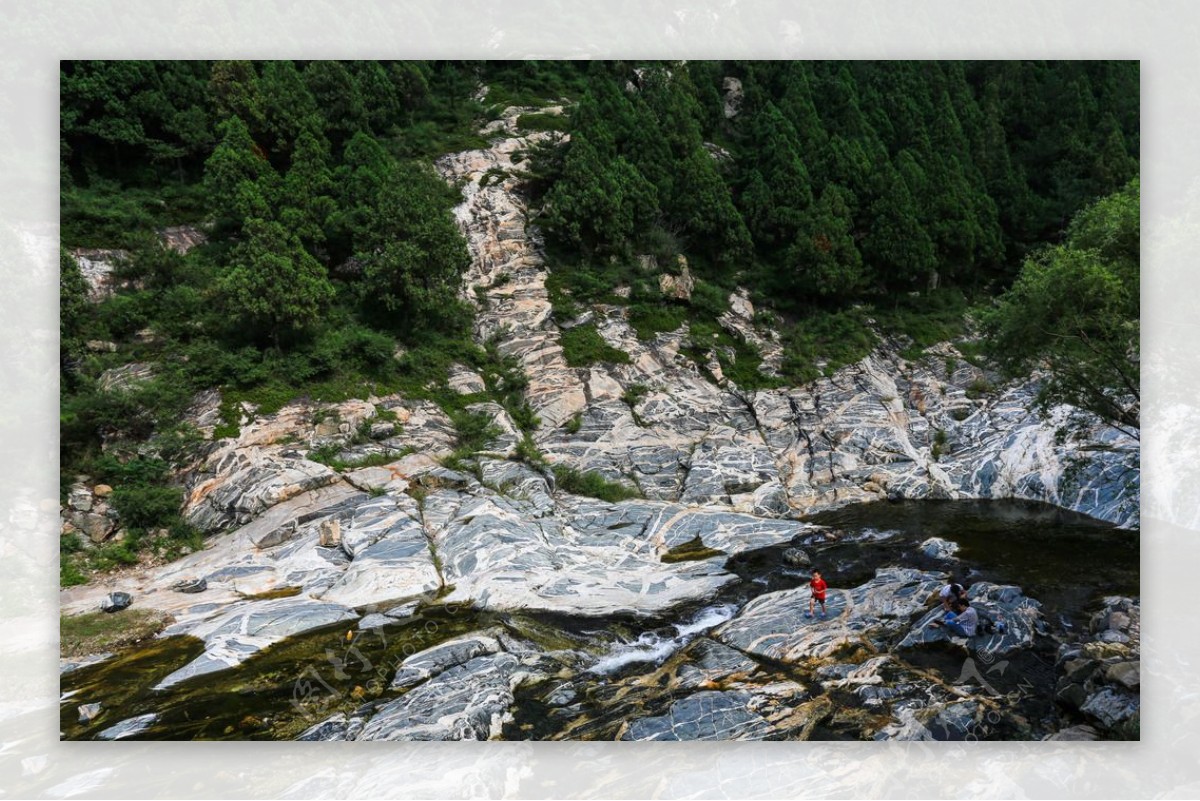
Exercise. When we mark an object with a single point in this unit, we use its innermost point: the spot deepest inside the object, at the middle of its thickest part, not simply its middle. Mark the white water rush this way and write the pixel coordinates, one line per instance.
(651, 646)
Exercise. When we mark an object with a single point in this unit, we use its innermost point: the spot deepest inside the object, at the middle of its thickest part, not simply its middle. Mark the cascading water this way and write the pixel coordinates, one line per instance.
(653, 646)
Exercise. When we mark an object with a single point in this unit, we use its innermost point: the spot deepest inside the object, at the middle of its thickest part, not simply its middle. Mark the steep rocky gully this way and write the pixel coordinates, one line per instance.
(411, 601)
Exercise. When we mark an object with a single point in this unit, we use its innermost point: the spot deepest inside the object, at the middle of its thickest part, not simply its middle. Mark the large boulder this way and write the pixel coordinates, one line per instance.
(1003, 605)
(774, 625)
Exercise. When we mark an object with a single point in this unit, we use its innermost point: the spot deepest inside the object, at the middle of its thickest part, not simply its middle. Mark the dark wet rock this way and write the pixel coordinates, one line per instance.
(1127, 674)
(797, 558)
(248, 627)
(708, 662)
(1111, 706)
(1101, 678)
(336, 728)
(919, 719)
(1080, 733)
(128, 728)
(116, 602)
(428, 663)
(89, 712)
(190, 585)
(703, 716)
(561, 695)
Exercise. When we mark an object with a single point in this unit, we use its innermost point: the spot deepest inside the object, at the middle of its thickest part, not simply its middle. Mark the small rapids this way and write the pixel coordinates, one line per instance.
(655, 646)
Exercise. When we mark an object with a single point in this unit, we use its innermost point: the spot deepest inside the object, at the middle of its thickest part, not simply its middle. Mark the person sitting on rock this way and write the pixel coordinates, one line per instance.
(964, 622)
(818, 587)
(951, 593)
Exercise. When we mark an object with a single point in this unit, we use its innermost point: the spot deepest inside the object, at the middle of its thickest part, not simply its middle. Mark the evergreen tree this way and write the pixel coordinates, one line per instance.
(824, 258)
(232, 174)
(308, 190)
(413, 253)
(272, 283)
(288, 106)
(901, 255)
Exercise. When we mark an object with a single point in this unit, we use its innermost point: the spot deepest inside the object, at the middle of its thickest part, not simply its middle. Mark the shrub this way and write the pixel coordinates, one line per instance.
(651, 319)
(583, 346)
(593, 485)
(543, 122)
(979, 388)
(709, 299)
(147, 506)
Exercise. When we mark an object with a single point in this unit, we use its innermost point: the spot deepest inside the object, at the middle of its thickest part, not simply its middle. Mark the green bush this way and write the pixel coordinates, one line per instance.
(543, 122)
(583, 346)
(650, 319)
(838, 338)
(147, 506)
(593, 485)
(709, 299)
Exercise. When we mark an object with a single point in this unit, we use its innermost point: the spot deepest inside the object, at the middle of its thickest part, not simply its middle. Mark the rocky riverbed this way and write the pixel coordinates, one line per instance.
(412, 601)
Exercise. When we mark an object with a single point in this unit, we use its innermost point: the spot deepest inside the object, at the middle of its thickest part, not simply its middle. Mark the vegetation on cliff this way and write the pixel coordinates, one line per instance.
(847, 197)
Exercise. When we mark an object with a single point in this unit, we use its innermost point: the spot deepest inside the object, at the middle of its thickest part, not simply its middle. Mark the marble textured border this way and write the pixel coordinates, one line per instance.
(34, 763)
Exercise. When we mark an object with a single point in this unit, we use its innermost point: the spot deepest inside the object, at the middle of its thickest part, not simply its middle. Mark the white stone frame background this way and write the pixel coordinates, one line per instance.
(34, 763)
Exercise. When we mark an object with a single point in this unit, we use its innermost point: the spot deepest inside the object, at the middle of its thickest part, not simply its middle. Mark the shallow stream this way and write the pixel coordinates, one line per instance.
(1066, 561)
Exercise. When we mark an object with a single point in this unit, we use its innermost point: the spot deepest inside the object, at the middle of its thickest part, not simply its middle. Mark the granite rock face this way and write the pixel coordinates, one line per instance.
(867, 432)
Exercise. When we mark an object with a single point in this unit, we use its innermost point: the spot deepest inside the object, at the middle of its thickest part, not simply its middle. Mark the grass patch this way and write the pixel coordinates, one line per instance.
(328, 456)
(102, 632)
(573, 425)
(693, 550)
(475, 433)
(528, 452)
(835, 338)
(939, 444)
(543, 122)
(593, 485)
(583, 346)
(979, 388)
(650, 319)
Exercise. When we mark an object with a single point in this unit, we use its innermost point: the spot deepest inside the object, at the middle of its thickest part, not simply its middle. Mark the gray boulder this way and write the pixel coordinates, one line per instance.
(128, 727)
(116, 602)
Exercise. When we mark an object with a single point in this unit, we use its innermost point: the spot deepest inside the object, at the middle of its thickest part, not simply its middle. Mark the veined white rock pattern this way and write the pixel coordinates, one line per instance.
(724, 470)
(865, 433)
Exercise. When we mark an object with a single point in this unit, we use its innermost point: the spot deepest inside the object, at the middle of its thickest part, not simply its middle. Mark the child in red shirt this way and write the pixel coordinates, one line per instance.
(818, 586)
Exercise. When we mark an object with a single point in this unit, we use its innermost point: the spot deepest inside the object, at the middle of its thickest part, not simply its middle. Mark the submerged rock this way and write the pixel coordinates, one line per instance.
(89, 712)
(938, 548)
(249, 627)
(128, 728)
(703, 716)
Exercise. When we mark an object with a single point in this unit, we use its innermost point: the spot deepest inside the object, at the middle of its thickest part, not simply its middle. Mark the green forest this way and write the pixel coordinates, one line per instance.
(917, 200)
